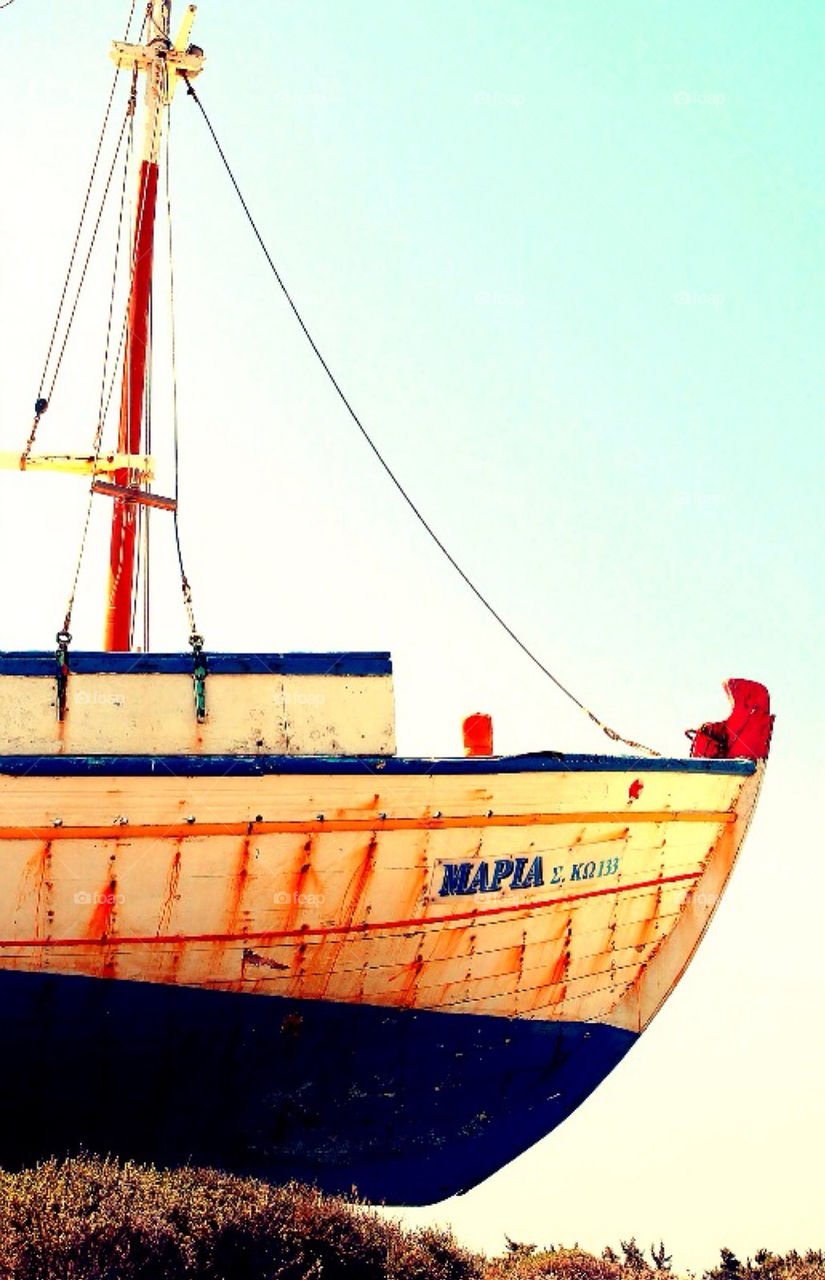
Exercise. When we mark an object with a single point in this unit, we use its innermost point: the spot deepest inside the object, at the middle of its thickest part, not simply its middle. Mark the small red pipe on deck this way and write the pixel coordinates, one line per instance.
(477, 731)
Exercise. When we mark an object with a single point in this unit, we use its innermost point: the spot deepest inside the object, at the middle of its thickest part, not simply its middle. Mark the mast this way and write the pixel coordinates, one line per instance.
(162, 62)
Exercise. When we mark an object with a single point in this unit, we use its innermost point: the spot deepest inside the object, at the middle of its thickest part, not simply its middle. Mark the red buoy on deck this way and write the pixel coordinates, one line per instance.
(478, 735)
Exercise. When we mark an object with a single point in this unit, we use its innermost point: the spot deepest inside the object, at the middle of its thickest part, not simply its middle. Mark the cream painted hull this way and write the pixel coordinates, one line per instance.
(331, 887)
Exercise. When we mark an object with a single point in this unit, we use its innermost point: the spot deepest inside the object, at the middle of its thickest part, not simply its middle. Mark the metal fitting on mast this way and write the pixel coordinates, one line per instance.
(178, 57)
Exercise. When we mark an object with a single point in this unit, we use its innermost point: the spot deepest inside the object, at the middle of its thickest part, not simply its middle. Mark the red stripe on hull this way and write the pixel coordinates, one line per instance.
(366, 927)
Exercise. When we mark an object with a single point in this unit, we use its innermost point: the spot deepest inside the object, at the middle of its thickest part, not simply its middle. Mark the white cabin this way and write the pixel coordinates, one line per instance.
(312, 704)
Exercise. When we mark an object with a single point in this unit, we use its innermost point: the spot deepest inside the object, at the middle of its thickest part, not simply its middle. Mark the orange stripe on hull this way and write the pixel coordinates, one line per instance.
(180, 830)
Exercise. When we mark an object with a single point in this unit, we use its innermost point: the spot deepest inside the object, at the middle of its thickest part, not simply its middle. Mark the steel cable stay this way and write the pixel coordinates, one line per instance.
(42, 401)
(613, 734)
(64, 636)
(142, 558)
(140, 568)
(137, 477)
(195, 638)
(105, 404)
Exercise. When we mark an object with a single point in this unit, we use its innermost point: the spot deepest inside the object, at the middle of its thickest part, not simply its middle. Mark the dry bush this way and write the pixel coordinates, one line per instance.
(522, 1263)
(525, 1262)
(94, 1219)
(770, 1266)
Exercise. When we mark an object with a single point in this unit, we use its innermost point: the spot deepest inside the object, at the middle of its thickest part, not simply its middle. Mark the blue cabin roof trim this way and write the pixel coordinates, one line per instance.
(85, 662)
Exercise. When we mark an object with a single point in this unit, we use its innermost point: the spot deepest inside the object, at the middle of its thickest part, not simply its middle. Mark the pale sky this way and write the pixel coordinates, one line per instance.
(566, 260)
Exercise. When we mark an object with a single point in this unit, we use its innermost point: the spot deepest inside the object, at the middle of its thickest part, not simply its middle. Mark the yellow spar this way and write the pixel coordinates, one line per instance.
(78, 464)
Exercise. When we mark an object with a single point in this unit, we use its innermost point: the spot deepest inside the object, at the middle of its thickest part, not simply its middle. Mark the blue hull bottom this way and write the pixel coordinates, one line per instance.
(407, 1106)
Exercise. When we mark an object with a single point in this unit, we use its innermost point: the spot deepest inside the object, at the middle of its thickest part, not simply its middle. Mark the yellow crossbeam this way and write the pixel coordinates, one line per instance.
(77, 464)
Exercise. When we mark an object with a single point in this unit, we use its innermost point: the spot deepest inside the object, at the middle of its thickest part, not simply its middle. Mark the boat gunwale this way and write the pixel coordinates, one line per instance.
(183, 765)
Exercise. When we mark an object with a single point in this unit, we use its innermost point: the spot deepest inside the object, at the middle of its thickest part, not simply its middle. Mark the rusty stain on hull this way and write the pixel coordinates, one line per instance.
(346, 907)
(356, 888)
(171, 894)
(410, 978)
(297, 884)
(359, 882)
(103, 921)
(237, 886)
(43, 912)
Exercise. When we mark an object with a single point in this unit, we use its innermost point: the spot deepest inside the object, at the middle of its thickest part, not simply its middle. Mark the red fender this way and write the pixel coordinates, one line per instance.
(747, 730)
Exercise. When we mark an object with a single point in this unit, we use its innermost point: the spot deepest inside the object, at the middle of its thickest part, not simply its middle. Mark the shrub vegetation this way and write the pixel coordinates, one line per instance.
(100, 1219)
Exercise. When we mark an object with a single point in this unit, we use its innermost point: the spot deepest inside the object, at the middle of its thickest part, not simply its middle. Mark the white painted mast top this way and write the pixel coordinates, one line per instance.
(163, 63)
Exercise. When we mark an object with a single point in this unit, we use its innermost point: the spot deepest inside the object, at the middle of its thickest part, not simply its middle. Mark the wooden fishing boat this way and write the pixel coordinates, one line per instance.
(237, 928)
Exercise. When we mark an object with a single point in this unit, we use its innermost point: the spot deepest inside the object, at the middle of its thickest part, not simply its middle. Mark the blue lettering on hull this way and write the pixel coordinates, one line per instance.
(482, 875)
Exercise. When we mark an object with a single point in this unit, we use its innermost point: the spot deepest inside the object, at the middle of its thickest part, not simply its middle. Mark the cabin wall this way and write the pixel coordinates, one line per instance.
(110, 713)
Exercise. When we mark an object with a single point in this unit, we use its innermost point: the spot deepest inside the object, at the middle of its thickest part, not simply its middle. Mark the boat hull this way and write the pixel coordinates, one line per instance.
(408, 1106)
(385, 973)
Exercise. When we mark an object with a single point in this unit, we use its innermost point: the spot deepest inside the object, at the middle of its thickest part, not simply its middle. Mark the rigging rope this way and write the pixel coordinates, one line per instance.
(105, 400)
(611, 733)
(195, 638)
(41, 401)
(140, 565)
(141, 559)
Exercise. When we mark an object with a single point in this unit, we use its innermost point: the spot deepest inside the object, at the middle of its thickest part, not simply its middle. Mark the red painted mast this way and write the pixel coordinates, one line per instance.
(161, 61)
(130, 430)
